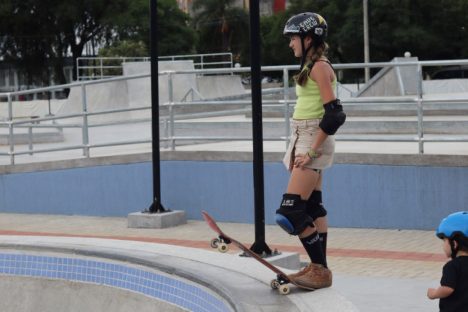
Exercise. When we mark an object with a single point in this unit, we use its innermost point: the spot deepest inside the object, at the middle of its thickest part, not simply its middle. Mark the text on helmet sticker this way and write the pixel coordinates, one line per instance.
(309, 23)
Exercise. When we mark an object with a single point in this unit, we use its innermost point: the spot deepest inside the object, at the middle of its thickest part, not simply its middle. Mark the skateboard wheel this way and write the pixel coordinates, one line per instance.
(214, 243)
(274, 284)
(223, 247)
(283, 289)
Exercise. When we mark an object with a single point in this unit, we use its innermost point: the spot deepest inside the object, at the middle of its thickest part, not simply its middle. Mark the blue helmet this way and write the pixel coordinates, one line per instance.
(454, 226)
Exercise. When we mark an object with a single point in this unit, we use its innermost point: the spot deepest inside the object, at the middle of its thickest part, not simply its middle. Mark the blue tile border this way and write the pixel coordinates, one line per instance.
(152, 284)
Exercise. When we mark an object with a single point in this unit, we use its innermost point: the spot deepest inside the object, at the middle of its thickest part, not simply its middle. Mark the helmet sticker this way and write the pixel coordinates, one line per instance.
(321, 19)
(292, 28)
(309, 23)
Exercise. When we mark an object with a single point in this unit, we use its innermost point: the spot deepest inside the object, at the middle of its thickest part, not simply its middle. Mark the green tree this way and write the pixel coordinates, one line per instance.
(38, 34)
(275, 46)
(222, 27)
(133, 29)
(176, 34)
(125, 48)
(428, 29)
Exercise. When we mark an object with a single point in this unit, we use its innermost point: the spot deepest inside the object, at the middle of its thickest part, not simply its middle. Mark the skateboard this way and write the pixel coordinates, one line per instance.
(222, 242)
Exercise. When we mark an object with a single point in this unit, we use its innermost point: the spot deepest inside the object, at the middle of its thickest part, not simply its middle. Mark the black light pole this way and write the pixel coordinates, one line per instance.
(156, 206)
(259, 246)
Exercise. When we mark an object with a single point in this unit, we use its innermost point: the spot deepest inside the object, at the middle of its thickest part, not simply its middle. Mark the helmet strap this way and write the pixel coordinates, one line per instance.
(304, 52)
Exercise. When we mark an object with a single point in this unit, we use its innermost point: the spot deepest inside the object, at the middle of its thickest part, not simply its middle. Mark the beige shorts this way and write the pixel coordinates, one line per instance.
(303, 133)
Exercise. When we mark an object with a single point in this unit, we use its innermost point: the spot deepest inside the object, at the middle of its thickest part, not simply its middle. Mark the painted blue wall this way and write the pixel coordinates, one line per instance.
(370, 196)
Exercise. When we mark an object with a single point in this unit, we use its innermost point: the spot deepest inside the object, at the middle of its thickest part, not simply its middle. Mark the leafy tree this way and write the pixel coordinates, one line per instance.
(125, 48)
(37, 34)
(221, 28)
(430, 30)
(275, 47)
(176, 34)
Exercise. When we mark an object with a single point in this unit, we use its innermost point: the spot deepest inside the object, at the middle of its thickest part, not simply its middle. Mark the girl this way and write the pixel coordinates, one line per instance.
(317, 116)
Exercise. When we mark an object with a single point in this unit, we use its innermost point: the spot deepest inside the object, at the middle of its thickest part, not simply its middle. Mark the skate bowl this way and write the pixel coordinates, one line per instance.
(93, 274)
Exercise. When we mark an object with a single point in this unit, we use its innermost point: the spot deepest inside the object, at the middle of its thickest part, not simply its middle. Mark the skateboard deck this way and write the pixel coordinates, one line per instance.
(221, 243)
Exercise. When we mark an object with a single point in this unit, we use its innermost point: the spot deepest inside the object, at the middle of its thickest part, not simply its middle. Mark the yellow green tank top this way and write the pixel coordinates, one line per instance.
(309, 104)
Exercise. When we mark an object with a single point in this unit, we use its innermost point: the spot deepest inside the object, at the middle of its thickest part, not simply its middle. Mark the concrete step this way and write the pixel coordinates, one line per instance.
(25, 135)
(354, 125)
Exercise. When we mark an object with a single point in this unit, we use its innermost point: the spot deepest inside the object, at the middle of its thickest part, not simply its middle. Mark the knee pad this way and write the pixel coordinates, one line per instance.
(292, 216)
(315, 207)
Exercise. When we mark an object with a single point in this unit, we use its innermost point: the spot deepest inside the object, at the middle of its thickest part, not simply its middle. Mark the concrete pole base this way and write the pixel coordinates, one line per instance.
(162, 220)
(287, 260)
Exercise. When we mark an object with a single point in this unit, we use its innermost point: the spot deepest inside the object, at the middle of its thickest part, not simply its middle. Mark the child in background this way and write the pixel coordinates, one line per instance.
(453, 290)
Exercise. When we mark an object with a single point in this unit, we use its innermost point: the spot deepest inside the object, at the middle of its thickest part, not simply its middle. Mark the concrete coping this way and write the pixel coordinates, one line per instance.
(242, 282)
(340, 158)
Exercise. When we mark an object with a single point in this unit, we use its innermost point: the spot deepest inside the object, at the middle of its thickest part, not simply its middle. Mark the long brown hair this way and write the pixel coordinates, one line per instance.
(315, 54)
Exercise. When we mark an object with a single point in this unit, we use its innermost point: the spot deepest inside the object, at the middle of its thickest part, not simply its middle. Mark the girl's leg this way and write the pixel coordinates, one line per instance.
(302, 182)
(316, 274)
(321, 222)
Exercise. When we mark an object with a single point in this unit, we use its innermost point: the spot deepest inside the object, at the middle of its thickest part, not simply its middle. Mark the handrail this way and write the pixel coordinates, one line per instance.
(201, 61)
(168, 120)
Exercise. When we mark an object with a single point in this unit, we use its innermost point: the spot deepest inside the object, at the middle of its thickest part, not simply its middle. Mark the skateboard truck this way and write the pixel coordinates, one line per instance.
(280, 283)
(221, 243)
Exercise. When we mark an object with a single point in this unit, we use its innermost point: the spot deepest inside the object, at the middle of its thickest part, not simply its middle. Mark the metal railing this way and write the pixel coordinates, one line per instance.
(90, 68)
(169, 118)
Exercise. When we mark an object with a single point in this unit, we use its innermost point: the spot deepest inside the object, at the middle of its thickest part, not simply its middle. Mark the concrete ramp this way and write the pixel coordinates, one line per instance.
(212, 87)
(454, 87)
(393, 80)
(133, 93)
(28, 109)
(99, 97)
(139, 90)
(136, 93)
(23, 134)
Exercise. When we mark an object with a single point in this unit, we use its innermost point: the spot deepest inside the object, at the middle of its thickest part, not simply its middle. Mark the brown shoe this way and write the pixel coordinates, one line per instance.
(299, 273)
(315, 276)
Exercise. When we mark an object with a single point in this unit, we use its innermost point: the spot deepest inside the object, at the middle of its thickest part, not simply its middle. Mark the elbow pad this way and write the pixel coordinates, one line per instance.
(333, 118)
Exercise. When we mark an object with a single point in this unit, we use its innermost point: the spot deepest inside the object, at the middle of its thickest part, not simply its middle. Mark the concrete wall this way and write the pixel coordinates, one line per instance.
(359, 190)
(19, 293)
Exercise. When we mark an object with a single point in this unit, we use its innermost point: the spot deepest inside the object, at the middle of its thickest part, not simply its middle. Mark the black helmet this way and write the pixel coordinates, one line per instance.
(307, 23)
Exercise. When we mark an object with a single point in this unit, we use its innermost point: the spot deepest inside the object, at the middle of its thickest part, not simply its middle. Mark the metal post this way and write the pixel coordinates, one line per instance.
(10, 130)
(166, 132)
(85, 129)
(420, 112)
(30, 139)
(101, 68)
(77, 68)
(366, 39)
(170, 85)
(259, 246)
(156, 205)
